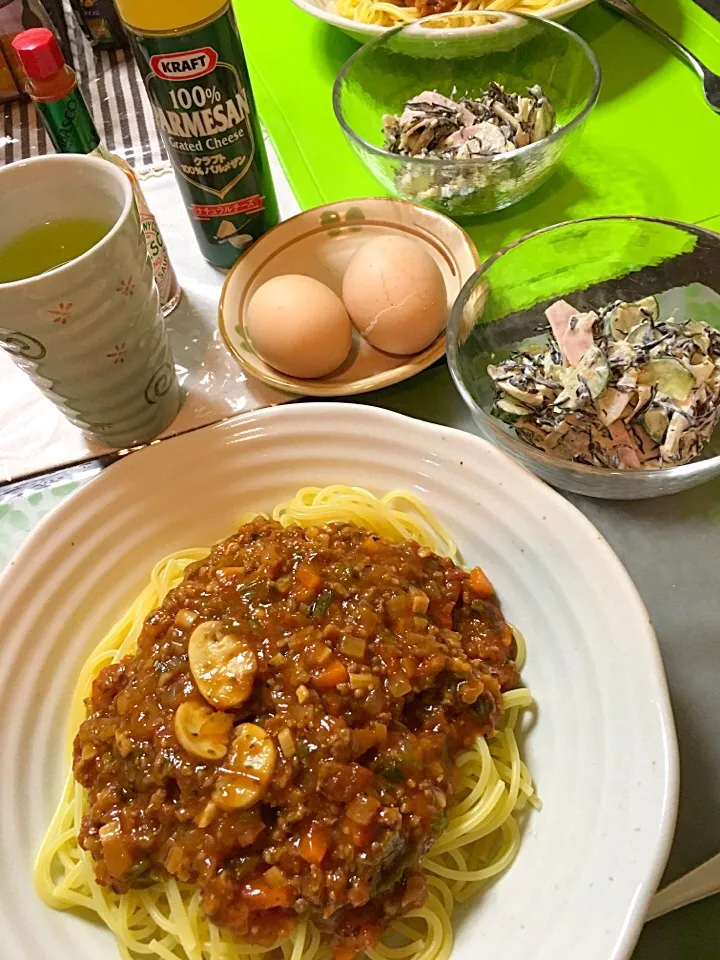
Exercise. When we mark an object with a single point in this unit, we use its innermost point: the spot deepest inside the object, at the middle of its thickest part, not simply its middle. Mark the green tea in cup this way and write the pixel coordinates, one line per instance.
(47, 246)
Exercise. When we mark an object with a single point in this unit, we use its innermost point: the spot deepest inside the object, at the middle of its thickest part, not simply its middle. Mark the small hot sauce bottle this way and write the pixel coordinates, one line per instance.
(52, 85)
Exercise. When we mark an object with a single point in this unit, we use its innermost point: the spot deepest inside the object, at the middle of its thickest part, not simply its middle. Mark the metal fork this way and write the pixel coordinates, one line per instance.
(710, 80)
(702, 882)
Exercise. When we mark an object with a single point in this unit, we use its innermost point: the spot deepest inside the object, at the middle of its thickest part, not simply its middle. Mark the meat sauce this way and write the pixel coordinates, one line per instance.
(284, 736)
(427, 8)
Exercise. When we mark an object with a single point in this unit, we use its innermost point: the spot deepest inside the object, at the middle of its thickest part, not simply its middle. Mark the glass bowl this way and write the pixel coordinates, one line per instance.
(590, 263)
(514, 50)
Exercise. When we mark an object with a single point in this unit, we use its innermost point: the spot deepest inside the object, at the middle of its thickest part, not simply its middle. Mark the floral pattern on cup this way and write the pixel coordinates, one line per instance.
(126, 287)
(62, 313)
(118, 354)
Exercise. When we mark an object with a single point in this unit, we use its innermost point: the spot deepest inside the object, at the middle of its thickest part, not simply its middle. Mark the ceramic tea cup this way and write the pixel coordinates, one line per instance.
(89, 333)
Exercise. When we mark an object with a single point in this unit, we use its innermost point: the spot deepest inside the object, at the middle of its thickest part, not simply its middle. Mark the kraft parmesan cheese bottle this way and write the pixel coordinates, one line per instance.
(192, 61)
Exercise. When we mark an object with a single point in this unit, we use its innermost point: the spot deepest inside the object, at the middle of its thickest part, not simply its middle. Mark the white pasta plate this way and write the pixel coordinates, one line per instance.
(602, 750)
(325, 10)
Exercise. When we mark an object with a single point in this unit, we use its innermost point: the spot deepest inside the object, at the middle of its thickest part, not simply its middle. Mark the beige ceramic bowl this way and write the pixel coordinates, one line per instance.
(324, 10)
(319, 243)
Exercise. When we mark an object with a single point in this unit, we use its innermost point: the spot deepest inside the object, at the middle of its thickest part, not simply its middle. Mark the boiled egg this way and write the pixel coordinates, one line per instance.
(299, 326)
(395, 294)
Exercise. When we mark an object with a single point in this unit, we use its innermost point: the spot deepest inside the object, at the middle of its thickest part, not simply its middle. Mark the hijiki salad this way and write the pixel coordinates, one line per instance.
(620, 388)
(433, 126)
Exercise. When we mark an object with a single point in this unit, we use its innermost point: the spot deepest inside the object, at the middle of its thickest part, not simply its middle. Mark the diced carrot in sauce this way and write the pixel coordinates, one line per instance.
(343, 953)
(480, 585)
(341, 782)
(431, 745)
(404, 624)
(360, 778)
(262, 897)
(306, 576)
(117, 855)
(360, 835)
(422, 807)
(367, 737)
(409, 665)
(371, 545)
(332, 675)
(442, 613)
(314, 845)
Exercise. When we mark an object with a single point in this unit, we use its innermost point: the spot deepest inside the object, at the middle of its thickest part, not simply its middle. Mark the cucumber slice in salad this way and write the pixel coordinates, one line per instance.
(522, 396)
(699, 333)
(637, 335)
(593, 370)
(692, 327)
(510, 411)
(669, 376)
(596, 371)
(624, 316)
(656, 423)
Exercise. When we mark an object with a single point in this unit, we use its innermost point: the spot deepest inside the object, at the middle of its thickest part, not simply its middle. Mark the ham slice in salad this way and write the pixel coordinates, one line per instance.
(572, 330)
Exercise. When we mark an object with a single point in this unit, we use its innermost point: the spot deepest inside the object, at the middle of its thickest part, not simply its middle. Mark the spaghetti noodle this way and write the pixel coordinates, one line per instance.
(383, 13)
(481, 839)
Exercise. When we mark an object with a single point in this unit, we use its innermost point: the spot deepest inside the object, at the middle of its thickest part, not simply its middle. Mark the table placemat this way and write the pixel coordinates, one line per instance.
(648, 147)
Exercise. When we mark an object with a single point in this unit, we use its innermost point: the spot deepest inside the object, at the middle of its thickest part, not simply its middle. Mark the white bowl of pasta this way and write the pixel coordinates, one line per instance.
(559, 827)
(365, 19)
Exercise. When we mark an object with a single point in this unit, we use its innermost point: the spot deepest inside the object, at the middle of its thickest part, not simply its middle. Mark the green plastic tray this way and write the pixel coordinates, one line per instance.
(650, 147)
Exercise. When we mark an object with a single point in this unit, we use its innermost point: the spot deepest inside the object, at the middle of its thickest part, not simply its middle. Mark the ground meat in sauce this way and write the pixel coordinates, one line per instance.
(426, 8)
(374, 664)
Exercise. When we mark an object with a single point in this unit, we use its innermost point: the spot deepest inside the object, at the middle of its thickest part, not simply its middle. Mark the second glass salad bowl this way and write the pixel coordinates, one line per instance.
(592, 265)
(516, 51)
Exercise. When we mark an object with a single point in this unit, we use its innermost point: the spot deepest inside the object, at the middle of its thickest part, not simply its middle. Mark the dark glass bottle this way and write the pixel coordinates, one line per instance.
(100, 23)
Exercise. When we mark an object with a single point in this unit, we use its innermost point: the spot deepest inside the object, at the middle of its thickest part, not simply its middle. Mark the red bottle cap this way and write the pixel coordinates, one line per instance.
(39, 53)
